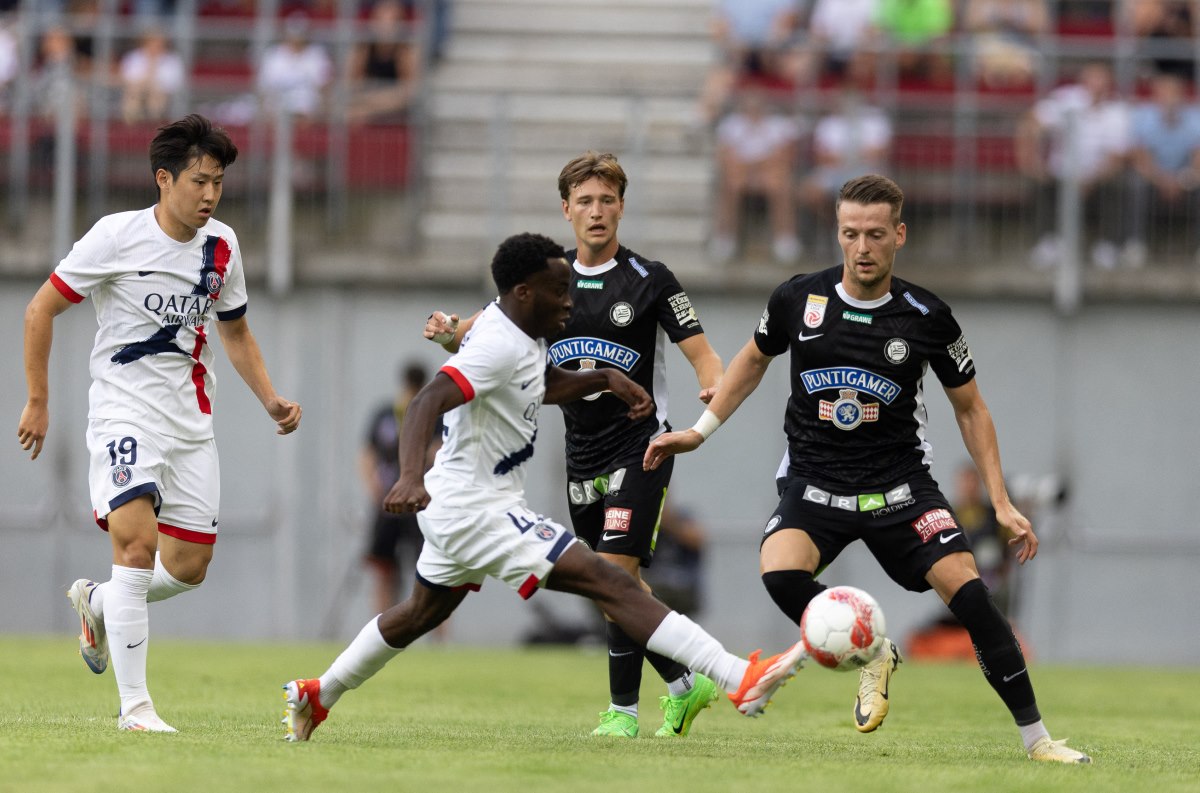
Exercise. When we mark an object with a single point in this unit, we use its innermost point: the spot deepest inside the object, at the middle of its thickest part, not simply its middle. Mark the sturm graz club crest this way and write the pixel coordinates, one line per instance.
(847, 412)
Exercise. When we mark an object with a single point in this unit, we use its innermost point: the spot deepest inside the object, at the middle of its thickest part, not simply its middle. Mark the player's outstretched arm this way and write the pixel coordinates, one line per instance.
(745, 372)
(447, 329)
(246, 357)
(979, 436)
(34, 423)
(441, 394)
(706, 362)
(564, 386)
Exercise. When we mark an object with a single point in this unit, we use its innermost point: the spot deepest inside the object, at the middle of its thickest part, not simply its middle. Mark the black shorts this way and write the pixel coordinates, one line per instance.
(395, 537)
(907, 526)
(618, 512)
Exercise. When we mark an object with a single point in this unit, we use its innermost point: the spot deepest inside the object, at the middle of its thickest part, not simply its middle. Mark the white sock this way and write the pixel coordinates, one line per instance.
(681, 685)
(1030, 733)
(164, 585)
(365, 656)
(127, 622)
(96, 600)
(682, 640)
(628, 710)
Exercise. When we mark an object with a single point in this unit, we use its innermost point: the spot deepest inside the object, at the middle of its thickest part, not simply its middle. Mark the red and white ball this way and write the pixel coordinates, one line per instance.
(842, 628)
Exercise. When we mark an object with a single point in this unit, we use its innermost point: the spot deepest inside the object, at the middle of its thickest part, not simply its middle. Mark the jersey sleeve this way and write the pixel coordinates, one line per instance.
(949, 355)
(232, 302)
(89, 264)
(674, 308)
(771, 335)
(482, 364)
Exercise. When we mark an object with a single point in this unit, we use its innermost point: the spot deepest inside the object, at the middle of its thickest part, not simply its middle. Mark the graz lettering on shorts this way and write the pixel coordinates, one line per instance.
(850, 377)
(877, 504)
(932, 522)
(587, 347)
(590, 491)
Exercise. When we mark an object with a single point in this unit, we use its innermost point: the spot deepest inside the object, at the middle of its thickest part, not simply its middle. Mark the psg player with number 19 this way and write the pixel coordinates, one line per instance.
(857, 461)
(158, 278)
(625, 309)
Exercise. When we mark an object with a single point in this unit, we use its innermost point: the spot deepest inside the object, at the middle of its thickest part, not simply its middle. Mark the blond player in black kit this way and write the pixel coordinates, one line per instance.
(857, 464)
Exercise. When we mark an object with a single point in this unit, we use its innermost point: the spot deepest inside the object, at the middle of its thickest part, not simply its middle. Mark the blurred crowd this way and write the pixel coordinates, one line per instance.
(298, 70)
(804, 95)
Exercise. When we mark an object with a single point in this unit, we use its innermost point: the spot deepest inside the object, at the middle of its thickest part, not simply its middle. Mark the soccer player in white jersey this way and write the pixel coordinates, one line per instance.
(157, 277)
(472, 508)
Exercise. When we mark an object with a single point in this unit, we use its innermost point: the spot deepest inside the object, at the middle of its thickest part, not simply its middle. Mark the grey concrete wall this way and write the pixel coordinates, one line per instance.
(1102, 399)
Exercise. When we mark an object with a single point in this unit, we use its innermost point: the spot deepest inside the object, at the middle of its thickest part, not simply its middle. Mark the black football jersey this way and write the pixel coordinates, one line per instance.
(621, 317)
(856, 416)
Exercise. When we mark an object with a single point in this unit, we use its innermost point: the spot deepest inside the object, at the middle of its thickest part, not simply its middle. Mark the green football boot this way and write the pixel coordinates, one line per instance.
(615, 724)
(679, 712)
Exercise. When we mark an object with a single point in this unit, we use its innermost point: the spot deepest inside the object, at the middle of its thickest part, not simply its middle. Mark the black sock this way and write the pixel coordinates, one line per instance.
(792, 590)
(997, 650)
(624, 666)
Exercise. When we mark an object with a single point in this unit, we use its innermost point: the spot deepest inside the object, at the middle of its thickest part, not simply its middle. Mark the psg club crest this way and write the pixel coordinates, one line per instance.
(847, 413)
(213, 282)
(122, 475)
(814, 310)
(544, 532)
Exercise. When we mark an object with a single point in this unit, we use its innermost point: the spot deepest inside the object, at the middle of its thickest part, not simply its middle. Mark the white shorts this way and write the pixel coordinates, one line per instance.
(463, 546)
(184, 477)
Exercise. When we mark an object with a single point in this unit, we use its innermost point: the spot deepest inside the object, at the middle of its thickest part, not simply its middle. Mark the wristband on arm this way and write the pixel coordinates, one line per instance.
(707, 424)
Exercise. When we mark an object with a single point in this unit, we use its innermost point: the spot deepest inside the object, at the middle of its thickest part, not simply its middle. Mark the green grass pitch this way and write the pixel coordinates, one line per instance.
(470, 719)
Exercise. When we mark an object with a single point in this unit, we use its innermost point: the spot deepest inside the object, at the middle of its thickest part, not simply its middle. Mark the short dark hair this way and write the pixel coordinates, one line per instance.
(873, 189)
(414, 375)
(522, 255)
(600, 165)
(177, 145)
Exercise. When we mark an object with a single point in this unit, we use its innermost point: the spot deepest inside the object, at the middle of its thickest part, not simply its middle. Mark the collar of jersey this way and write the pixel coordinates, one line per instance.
(596, 269)
(876, 303)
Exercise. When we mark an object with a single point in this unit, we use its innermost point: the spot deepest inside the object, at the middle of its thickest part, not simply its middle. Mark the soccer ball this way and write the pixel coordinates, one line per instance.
(842, 628)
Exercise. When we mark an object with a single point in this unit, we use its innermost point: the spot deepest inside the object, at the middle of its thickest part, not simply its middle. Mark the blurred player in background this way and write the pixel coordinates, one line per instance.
(472, 506)
(626, 308)
(857, 460)
(395, 539)
(158, 277)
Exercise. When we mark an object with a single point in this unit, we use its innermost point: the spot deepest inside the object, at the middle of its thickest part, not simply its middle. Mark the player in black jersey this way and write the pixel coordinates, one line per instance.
(625, 307)
(857, 461)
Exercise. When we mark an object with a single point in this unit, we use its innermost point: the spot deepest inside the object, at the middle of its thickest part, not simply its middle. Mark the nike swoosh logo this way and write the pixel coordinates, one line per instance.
(214, 523)
(144, 273)
(620, 655)
(945, 538)
(527, 383)
(802, 337)
(1014, 675)
(609, 536)
(131, 646)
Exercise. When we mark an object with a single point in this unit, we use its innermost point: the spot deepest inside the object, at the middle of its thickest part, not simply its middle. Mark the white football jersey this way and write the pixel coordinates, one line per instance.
(502, 373)
(155, 297)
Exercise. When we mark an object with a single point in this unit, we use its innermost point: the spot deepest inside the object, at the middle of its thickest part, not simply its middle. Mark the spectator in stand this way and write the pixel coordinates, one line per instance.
(1100, 137)
(756, 155)
(1166, 165)
(755, 41)
(853, 139)
(295, 72)
(913, 27)
(150, 75)
(840, 33)
(1004, 39)
(386, 69)
(1165, 23)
